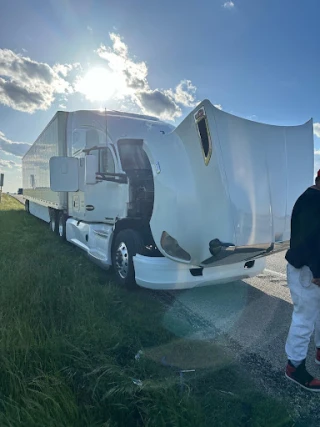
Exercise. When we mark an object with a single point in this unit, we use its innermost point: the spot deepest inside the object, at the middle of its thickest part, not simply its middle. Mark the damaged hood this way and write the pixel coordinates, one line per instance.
(225, 186)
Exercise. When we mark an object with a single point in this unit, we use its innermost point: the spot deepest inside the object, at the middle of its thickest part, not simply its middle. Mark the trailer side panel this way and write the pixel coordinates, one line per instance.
(35, 164)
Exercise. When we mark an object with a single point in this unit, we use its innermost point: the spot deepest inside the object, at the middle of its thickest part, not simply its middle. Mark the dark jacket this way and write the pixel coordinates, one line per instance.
(305, 232)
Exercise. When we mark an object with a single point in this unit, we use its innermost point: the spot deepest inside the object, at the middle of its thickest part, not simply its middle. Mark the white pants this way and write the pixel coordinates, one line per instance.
(306, 313)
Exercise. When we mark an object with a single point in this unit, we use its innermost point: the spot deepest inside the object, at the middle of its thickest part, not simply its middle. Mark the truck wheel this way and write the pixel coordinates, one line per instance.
(26, 206)
(53, 220)
(62, 225)
(127, 244)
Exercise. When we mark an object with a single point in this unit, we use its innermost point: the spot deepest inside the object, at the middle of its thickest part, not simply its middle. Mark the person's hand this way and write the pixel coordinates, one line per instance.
(316, 282)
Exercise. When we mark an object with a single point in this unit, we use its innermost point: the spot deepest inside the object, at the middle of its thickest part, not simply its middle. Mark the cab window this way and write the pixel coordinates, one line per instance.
(106, 162)
(132, 155)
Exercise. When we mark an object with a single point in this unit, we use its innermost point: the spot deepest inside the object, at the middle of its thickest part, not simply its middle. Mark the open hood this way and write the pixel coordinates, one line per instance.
(225, 186)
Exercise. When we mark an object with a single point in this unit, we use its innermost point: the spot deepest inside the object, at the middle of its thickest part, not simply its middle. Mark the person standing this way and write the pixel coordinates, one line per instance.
(303, 276)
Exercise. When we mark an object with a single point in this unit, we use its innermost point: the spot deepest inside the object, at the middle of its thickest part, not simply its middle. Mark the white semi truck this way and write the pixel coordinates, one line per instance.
(169, 208)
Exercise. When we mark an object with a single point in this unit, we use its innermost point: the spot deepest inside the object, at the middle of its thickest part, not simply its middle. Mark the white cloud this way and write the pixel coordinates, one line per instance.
(316, 129)
(228, 5)
(27, 85)
(131, 77)
(18, 97)
(185, 93)
(62, 106)
(65, 69)
(159, 103)
(166, 104)
(18, 149)
(133, 73)
(118, 45)
(89, 29)
(9, 164)
(219, 106)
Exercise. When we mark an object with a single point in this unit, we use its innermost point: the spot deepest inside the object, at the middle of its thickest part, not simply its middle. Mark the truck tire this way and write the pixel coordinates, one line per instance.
(26, 206)
(53, 220)
(127, 244)
(62, 225)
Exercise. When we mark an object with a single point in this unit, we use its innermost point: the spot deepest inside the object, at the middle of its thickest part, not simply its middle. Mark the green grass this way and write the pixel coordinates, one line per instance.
(68, 337)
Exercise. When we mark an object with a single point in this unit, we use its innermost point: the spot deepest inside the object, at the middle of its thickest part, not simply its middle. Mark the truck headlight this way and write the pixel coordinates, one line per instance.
(172, 248)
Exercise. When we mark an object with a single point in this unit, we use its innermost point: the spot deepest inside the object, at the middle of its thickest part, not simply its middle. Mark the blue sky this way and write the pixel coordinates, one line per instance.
(256, 59)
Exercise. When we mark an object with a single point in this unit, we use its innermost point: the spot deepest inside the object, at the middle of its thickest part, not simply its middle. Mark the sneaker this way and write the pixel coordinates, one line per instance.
(317, 359)
(301, 376)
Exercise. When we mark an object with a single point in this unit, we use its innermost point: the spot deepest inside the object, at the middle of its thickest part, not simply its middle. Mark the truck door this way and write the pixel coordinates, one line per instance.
(106, 200)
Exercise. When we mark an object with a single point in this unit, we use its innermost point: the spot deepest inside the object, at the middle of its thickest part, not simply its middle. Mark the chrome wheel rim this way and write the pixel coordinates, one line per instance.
(122, 260)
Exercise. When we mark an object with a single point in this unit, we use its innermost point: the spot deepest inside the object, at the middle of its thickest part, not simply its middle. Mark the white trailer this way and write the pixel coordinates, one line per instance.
(169, 208)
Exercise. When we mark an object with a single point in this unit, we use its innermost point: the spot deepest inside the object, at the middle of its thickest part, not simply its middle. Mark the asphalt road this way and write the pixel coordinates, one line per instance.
(255, 313)
(250, 319)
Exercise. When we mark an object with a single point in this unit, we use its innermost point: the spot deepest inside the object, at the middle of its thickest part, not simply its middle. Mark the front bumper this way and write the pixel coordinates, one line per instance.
(164, 274)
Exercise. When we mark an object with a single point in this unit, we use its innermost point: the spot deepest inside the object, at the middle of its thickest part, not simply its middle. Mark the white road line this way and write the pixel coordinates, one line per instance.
(276, 273)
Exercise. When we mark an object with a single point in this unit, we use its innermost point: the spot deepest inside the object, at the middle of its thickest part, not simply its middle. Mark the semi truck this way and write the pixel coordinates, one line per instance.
(169, 207)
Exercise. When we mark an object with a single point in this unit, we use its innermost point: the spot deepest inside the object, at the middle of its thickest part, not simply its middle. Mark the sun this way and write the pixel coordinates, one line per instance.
(99, 84)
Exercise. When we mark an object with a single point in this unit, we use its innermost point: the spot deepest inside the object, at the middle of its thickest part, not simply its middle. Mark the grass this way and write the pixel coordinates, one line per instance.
(68, 340)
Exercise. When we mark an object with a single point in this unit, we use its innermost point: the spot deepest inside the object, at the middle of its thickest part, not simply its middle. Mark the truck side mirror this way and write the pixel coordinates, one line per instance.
(64, 173)
(91, 169)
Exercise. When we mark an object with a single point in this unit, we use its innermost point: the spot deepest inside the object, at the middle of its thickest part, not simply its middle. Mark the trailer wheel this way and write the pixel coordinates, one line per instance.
(26, 206)
(62, 225)
(53, 220)
(126, 245)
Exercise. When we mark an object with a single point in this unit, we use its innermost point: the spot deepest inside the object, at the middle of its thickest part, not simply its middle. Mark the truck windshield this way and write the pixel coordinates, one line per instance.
(132, 155)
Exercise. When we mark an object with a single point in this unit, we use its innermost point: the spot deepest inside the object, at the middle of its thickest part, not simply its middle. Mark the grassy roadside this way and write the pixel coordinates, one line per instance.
(68, 340)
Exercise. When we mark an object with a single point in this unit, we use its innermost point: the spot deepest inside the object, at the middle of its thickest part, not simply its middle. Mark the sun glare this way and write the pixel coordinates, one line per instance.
(99, 84)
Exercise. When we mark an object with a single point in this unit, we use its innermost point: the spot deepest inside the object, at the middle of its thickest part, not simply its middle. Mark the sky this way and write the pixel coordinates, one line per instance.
(255, 59)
